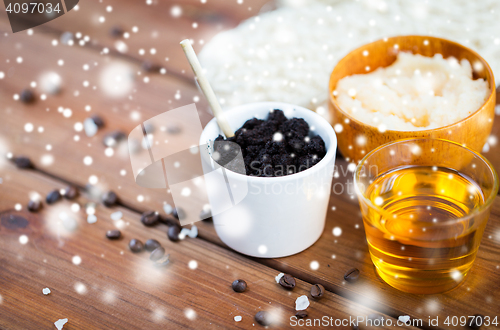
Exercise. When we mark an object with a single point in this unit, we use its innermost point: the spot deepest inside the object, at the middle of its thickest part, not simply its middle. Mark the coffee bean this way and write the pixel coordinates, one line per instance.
(179, 213)
(116, 31)
(239, 286)
(23, 162)
(163, 261)
(71, 192)
(14, 221)
(174, 129)
(301, 314)
(263, 318)
(150, 218)
(53, 196)
(109, 199)
(151, 244)
(287, 281)
(27, 96)
(113, 234)
(112, 139)
(351, 275)
(476, 322)
(355, 327)
(157, 253)
(98, 121)
(150, 67)
(135, 245)
(173, 233)
(34, 206)
(375, 316)
(317, 291)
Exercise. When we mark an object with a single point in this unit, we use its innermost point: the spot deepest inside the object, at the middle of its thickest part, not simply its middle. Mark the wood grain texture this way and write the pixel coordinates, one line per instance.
(156, 27)
(150, 99)
(113, 288)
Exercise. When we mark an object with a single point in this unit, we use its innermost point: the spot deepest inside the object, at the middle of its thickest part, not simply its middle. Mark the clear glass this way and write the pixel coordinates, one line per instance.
(425, 204)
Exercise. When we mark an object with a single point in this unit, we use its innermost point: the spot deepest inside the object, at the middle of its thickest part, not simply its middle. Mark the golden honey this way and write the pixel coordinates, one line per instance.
(426, 238)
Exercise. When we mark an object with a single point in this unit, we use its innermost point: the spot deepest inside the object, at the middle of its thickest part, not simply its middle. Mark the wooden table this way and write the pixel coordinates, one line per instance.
(112, 288)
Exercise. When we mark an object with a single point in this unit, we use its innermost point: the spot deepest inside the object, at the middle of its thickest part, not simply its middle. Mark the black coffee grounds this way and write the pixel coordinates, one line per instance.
(277, 146)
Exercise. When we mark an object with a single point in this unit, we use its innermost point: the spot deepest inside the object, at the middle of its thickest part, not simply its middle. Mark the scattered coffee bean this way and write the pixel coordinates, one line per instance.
(174, 129)
(150, 218)
(135, 245)
(113, 234)
(71, 192)
(66, 37)
(116, 31)
(34, 206)
(109, 199)
(27, 96)
(287, 281)
(355, 327)
(301, 314)
(23, 162)
(112, 139)
(151, 244)
(163, 261)
(97, 120)
(150, 67)
(53, 196)
(239, 286)
(351, 275)
(178, 213)
(13, 221)
(173, 233)
(157, 253)
(317, 291)
(476, 322)
(375, 316)
(263, 318)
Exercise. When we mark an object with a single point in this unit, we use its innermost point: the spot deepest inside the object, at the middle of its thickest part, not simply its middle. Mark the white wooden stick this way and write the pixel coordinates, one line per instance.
(206, 88)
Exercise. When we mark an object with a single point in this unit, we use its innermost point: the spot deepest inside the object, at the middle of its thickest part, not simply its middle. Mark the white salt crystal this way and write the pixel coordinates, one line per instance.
(50, 82)
(237, 318)
(90, 127)
(60, 323)
(116, 216)
(184, 232)
(46, 291)
(91, 218)
(277, 278)
(70, 224)
(167, 208)
(301, 303)
(404, 318)
(193, 232)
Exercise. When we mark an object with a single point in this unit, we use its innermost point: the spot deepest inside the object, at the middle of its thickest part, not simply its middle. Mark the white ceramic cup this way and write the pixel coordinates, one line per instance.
(279, 216)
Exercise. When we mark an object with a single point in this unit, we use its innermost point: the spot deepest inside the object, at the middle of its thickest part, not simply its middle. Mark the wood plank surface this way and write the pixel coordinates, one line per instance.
(112, 288)
(157, 27)
(334, 254)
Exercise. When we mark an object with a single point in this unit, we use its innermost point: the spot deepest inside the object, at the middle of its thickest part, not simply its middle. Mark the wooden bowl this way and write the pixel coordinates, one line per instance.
(472, 131)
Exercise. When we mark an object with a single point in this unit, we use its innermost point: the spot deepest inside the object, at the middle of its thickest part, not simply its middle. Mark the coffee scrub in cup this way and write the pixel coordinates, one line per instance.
(289, 155)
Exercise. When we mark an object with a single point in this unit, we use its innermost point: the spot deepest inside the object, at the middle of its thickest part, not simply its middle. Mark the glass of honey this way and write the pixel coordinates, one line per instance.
(425, 203)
